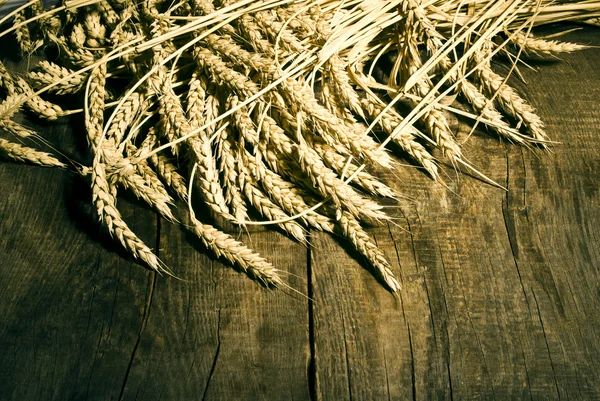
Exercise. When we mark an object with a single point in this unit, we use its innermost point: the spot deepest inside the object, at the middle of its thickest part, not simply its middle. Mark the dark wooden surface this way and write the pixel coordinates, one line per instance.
(500, 299)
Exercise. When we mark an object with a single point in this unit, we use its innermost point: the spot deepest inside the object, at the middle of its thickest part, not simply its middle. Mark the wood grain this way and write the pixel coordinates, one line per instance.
(500, 298)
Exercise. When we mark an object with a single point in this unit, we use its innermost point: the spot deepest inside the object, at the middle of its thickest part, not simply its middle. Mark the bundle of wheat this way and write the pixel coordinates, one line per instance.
(222, 95)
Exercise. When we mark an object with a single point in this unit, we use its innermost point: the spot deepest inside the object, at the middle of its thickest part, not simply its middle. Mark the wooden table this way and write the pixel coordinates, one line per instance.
(500, 299)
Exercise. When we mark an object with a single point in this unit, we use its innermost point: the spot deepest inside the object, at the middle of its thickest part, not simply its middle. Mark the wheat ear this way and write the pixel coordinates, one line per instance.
(265, 206)
(300, 97)
(11, 105)
(478, 101)
(510, 101)
(350, 228)
(233, 193)
(223, 245)
(48, 73)
(16, 129)
(325, 181)
(339, 163)
(543, 46)
(406, 139)
(22, 153)
(283, 194)
(97, 93)
(39, 106)
(110, 17)
(105, 204)
(22, 32)
(166, 170)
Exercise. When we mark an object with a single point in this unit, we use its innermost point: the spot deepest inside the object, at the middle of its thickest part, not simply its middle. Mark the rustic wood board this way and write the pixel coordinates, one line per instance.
(500, 299)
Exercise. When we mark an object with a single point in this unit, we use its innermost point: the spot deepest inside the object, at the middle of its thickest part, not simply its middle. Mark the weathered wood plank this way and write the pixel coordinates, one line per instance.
(71, 303)
(216, 334)
(500, 295)
(121, 332)
(81, 321)
(556, 232)
(86, 323)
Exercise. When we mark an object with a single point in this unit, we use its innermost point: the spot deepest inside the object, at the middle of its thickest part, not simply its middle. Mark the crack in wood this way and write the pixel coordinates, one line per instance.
(347, 357)
(539, 314)
(215, 357)
(145, 317)
(312, 363)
